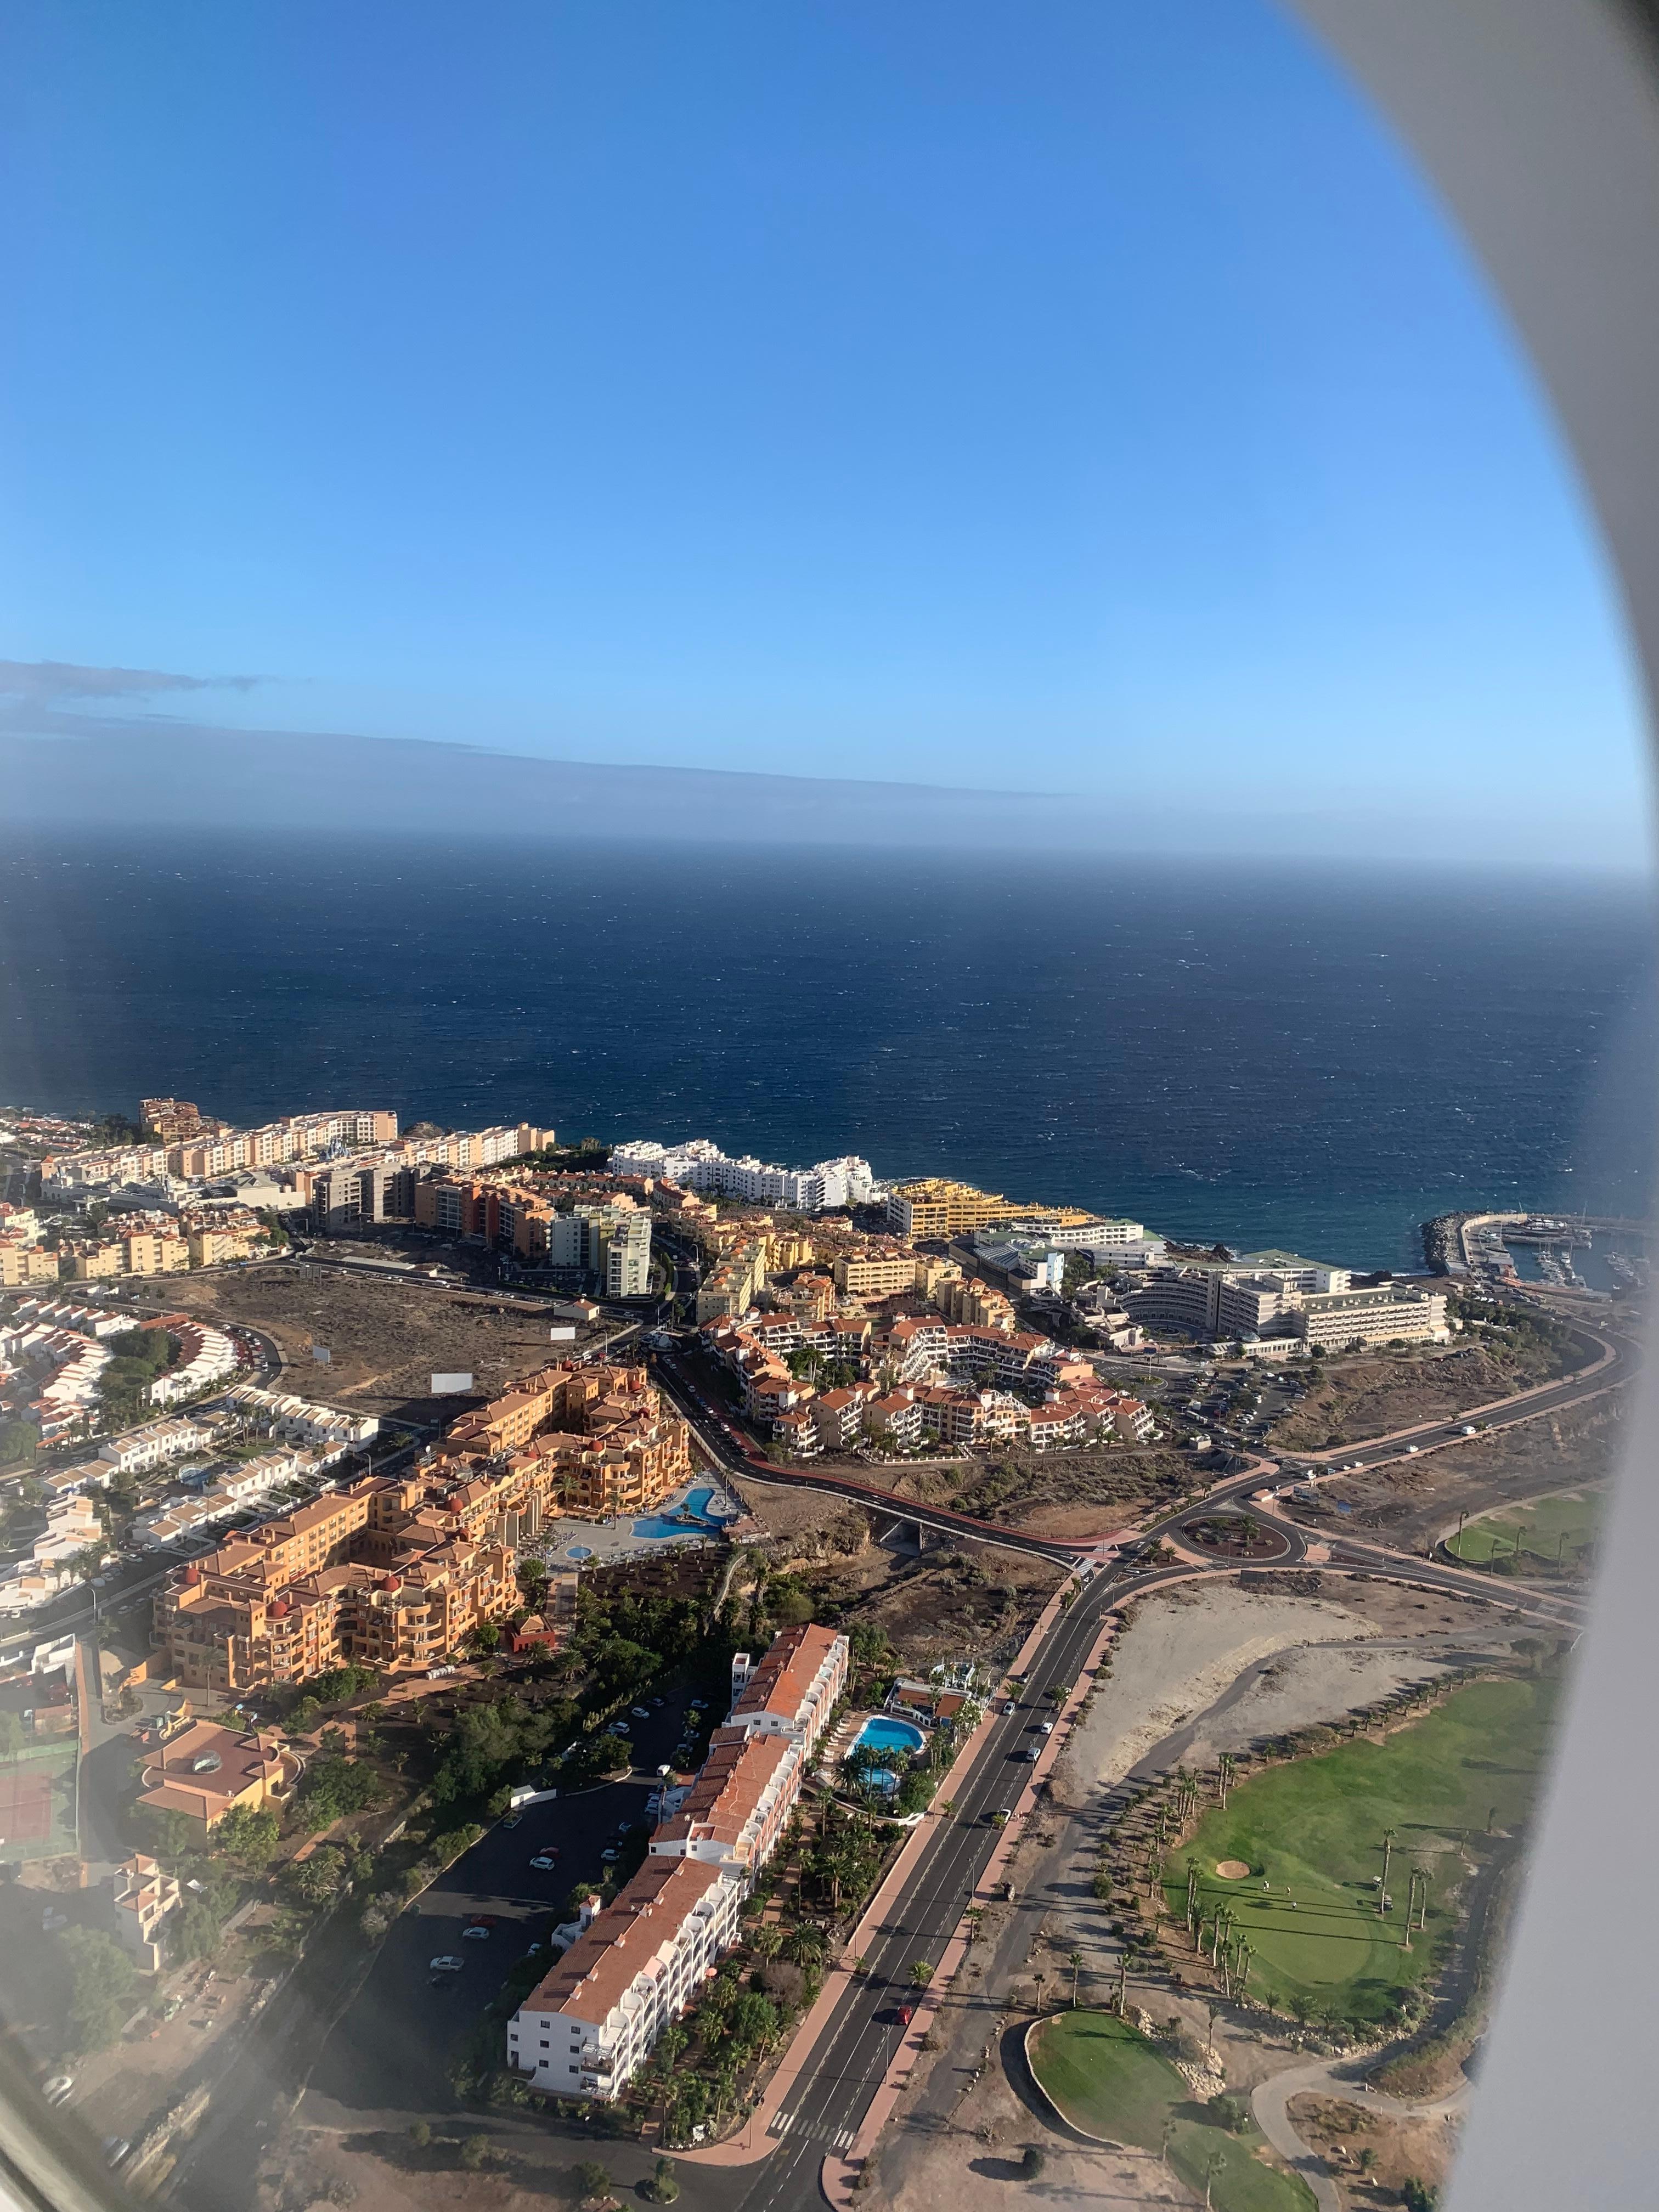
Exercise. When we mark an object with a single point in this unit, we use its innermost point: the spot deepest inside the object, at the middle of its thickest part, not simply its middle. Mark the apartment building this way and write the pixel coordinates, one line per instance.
(588, 2028)
(739, 1804)
(874, 1273)
(972, 1304)
(792, 1690)
(154, 1443)
(1375, 1317)
(170, 1121)
(354, 1194)
(337, 1580)
(894, 1419)
(702, 1166)
(935, 1208)
(837, 1415)
(23, 1264)
(592, 2021)
(300, 1420)
(206, 1356)
(144, 1895)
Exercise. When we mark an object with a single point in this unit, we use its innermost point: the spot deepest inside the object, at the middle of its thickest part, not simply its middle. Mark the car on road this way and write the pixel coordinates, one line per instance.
(57, 2089)
(906, 2014)
(116, 2148)
(642, 1712)
(512, 1819)
(475, 1934)
(1035, 1753)
(619, 1727)
(611, 1855)
(543, 1862)
(445, 1963)
(1010, 1710)
(663, 1772)
(1046, 1728)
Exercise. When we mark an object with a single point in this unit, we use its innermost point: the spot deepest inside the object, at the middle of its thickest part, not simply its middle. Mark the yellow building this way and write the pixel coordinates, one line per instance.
(147, 1253)
(935, 1206)
(21, 1264)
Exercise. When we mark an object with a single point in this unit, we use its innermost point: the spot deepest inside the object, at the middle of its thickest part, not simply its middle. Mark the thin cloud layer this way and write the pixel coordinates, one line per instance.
(36, 684)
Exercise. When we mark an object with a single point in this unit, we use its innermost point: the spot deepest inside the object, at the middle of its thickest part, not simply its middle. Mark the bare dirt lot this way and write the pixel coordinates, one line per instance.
(1062, 1493)
(947, 1604)
(1420, 1502)
(1344, 2134)
(1362, 1398)
(386, 1339)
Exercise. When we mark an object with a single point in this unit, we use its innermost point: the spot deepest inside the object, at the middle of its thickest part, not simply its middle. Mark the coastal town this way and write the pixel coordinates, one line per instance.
(670, 1646)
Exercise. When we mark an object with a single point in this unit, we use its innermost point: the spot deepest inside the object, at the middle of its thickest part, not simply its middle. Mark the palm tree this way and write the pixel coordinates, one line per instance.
(922, 1974)
(1074, 1960)
(804, 1945)
(767, 1942)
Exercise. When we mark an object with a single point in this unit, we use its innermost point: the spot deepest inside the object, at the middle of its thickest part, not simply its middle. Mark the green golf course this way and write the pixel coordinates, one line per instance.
(1107, 2080)
(1542, 1536)
(1311, 1834)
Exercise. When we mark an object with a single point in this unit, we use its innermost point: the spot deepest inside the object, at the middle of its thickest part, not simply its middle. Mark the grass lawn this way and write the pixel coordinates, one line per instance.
(1548, 1530)
(1109, 2081)
(1311, 1833)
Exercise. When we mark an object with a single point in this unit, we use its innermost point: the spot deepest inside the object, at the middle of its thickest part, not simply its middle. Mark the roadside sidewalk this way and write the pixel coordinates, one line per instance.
(838, 2173)
(755, 2143)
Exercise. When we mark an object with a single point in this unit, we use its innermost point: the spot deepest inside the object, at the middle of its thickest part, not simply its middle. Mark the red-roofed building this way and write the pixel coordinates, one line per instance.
(793, 1688)
(588, 2026)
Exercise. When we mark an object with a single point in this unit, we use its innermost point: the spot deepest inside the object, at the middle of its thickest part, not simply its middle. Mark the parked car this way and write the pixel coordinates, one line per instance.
(57, 2089)
(1048, 1728)
(543, 1862)
(1035, 1753)
(475, 1934)
(512, 1819)
(611, 1855)
(642, 1712)
(1009, 1710)
(446, 1963)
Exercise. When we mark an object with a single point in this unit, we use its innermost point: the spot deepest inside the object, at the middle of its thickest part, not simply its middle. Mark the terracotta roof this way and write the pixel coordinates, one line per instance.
(625, 1940)
(730, 1786)
(780, 1683)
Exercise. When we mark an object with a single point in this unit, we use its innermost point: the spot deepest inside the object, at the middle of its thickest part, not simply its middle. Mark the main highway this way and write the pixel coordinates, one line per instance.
(846, 2068)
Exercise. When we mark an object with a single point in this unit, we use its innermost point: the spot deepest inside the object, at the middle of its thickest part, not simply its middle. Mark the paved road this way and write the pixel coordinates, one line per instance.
(383, 2057)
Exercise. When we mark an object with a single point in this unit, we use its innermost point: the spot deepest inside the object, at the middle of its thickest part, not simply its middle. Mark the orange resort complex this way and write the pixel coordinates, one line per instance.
(392, 1570)
(588, 2028)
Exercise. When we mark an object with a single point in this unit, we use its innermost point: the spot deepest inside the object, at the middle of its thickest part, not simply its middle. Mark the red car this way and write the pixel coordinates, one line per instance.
(907, 2013)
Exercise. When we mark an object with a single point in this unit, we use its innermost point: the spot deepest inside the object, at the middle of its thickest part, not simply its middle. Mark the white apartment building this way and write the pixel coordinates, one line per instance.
(298, 1420)
(209, 1357)
(156, 1444)
(794, 1688)
(1104, 1235)
(1378, 1316)
(735, 1811)
(702, 1166)
(588, 2028)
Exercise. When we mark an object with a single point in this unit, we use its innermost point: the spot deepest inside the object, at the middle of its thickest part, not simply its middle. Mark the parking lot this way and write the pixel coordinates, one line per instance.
(392, 2050)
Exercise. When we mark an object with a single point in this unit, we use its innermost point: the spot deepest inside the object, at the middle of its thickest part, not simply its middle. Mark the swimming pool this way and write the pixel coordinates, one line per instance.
(690, 1517)
(880, 1733)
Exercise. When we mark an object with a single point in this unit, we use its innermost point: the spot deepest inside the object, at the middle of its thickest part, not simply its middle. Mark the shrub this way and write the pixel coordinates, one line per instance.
(591, 2178)
(1032, 2164)
(665, 2182)
(420, 2133)
(477, 2151)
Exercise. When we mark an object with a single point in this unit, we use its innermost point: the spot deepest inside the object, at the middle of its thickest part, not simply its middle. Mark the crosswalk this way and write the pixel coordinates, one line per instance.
(796, 2124)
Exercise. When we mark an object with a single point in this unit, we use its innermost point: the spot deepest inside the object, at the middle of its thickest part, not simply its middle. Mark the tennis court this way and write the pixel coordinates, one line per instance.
(37, 1803)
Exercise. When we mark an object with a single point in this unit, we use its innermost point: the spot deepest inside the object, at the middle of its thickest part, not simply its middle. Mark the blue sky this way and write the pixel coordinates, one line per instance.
(1084, 397)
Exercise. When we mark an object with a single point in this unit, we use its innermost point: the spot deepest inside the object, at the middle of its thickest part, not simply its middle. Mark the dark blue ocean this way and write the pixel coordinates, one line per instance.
(1310, 1057)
